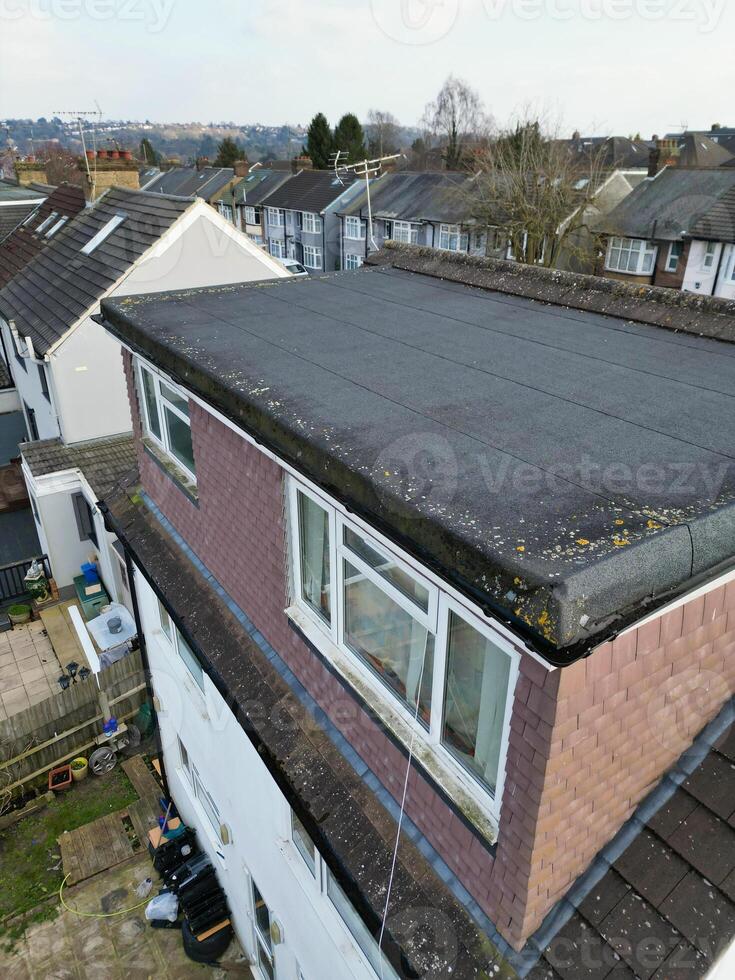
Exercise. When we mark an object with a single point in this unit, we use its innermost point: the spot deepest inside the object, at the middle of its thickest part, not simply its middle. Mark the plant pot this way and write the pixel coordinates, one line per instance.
(79, 769)
(22, 615)
(60, 779)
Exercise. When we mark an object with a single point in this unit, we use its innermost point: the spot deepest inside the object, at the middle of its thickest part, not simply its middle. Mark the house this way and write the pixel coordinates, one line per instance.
(65, 368)
(673, 231)
(430, 209)
(241, 203)
(204, 182)
(609, 153)
(440, 640)
(301, 218)
(16, 204)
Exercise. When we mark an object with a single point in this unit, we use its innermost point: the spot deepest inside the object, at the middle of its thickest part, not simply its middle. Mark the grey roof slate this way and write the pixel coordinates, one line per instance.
(669, 206)
(16, 203)
(415, 197)
(190, 182)
(60, 284)
(528, 452)
(254, 187)
(309, 190)
(718, 223)
(104, 462)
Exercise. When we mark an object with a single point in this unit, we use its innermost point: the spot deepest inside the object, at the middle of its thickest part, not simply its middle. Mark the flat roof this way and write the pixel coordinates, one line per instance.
(565, 469)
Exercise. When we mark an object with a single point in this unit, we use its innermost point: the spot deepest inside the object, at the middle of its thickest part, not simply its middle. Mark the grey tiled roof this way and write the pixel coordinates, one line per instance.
(61, 284)
(718, 224)
(190, 182)
(104, 462)
(310, 190)
(415, 197)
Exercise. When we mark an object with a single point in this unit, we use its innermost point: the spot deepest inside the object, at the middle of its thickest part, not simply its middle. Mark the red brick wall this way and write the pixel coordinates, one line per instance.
(586, 744)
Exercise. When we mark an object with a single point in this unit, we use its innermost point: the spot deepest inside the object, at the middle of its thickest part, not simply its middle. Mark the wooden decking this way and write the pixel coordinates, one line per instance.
(62, 634)
(116, 837)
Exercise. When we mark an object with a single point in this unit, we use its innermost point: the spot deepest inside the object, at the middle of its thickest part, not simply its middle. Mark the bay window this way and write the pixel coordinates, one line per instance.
(353, 261)
(312, 257)
(441, 667)
(630, 255)
(166, 421)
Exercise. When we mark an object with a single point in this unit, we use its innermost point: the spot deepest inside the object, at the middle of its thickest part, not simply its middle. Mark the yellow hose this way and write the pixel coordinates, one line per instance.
(96, 915)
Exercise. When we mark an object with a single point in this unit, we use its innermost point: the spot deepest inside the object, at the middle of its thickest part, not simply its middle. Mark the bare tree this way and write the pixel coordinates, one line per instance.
(537, 195)
(60, 164)
(382, 130)
(456, 119)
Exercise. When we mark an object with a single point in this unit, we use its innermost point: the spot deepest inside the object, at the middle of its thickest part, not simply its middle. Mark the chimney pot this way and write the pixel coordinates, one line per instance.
(102, 154)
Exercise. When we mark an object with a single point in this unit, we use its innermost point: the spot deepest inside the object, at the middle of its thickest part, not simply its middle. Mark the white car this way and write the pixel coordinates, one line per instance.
(294, 267)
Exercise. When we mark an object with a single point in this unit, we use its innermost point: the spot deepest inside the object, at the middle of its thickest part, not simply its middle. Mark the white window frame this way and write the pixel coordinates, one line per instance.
(354, 228)
(57, 227)
(225, 210)
(353, 261)
(49, 219)
(311, 223)
(105, 231)
(250, 218)
(645, 252)
(405, 231)
(277, 248)
(263, 944)
(710, 253)
(276, 217)
(674, 257)
(452, 238)
(163, 404)
(170, 631)
(436, 619)
(199, 791)
(309, 260)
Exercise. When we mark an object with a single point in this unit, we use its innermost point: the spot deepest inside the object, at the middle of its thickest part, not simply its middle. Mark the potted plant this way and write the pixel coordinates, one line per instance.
(79, 769)
(60, 779)
(19, 613)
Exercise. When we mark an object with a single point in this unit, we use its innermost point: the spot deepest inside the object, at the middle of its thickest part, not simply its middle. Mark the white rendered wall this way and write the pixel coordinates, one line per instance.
(726, 282)
(697, 279)
(29, 390)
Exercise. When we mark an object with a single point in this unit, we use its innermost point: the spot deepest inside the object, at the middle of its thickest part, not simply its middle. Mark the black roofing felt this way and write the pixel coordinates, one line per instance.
(60, 284)
(668, 207)
(560, 467)
(310, 190)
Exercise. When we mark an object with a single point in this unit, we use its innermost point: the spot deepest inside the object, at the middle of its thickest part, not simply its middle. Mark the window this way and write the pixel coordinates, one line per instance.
(312, 257)
(479, 242)
(49, 220)
(452, 238)
(448, 672)
(34, 508)
(104, 232)
(360, 932)
(226, 211)
(276, 248)
(303, 843)
(262, 923)
(183, 649)
(311, 223)
(353, 261)
(200, 791)
(675, 252)
(710, 252)
(84, 518)
(43, 378)
(56, 227)
(354, 227)
(250, 218)
(275, 216)
(166, 418)
(630, 255)
(32, 424)
(404, 231)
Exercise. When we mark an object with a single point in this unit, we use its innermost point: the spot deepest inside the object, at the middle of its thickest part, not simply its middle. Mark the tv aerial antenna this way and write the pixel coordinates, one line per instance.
(365, 169)
(85, 117)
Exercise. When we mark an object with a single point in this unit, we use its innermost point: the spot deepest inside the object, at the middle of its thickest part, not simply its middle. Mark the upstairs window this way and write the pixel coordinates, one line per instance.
(166, 420)
(676, 250)
(404, 231)
(354, 228)
(250, 218)
(445, 670)
(452, 238)
(311, 223)
(631, 255)
(105, 231)
(180, 645)
(226, 211)
(275, 216)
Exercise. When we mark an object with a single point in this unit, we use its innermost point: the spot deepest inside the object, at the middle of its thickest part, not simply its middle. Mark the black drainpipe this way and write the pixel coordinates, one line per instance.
(719, 268)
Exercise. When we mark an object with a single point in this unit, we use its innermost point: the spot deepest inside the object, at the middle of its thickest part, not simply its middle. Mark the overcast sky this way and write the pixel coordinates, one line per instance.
(605, 66)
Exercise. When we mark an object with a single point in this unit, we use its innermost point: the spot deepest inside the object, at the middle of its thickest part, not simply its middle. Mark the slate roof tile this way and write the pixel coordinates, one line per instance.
(702, 914)
(604, 897)
(713, 784)
(640, 936)
(651, 867)
(707, 843)
(672, 814)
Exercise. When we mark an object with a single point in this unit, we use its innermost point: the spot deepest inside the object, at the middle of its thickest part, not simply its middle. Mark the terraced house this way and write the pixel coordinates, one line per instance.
(440, 614)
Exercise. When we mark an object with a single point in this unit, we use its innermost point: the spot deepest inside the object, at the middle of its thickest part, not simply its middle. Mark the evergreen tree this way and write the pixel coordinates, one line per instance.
(319, 143)
(228, 152)
(148, 154)
(349, 137)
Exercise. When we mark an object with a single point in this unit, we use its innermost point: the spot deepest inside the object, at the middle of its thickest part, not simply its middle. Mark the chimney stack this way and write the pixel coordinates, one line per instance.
(302, 162)
(654, 161)
(202, 162)
(242, 167)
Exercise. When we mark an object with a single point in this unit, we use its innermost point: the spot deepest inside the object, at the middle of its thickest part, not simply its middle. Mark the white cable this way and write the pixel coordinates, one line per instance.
(403, 807)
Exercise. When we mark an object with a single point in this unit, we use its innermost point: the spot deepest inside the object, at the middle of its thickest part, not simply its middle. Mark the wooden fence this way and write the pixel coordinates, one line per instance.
(66, 724)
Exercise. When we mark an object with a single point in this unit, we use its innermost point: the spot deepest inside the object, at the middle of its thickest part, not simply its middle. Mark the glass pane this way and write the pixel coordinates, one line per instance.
(165, 620)
(207, 802)
(390, 641)
(262, 918)
(190, 659)
(362, 935)
(175, 398)
(389, 570)
(265, 964)
(151, 405)
(314, 541)
(179, 438)
(475, 698)
(304, 843)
